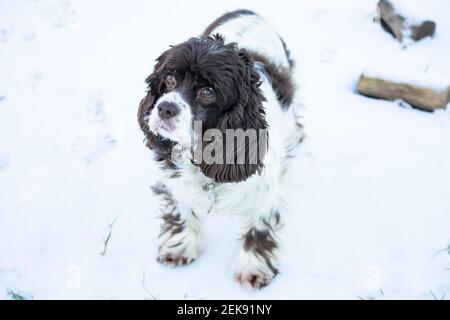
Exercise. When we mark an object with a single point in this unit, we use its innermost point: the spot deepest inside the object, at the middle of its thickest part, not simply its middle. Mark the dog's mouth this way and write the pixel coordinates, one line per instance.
(167, 129)
(166, 126)
(161, 127)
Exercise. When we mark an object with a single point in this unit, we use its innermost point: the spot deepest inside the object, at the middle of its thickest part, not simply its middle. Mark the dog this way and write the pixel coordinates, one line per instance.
(236, 78)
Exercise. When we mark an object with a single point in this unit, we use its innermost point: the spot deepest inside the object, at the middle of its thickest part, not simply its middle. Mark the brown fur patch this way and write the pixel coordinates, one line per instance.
(172, 221)
(280, 78)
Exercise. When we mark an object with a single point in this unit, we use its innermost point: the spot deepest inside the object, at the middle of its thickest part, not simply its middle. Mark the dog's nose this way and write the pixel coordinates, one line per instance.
(167, 110)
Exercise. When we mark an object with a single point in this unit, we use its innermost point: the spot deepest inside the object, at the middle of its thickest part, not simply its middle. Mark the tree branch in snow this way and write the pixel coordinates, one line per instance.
(17, 296)
(446, 250)
(437, 298)
(144, 286)
(108, 237)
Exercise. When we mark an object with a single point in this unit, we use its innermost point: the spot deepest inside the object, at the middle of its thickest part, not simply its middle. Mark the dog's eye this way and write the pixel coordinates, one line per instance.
(171, 81)
(207, 94)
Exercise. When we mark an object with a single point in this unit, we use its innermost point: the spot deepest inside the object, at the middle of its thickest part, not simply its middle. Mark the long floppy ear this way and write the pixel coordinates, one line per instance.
(243, 128)
(163, 147)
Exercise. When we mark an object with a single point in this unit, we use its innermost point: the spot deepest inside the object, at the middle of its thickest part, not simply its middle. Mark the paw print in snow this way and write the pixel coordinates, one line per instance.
(61, 14)
(5, 164)
(95, 139)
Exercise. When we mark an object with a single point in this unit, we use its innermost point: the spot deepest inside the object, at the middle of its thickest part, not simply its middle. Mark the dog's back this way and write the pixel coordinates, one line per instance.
(251, 32)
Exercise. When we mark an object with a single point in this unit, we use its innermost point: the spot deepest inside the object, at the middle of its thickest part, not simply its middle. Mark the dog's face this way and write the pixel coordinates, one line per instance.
(205, 81)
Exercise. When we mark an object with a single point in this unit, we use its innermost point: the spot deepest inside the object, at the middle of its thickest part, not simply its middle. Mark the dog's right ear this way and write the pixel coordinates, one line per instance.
(247, 113)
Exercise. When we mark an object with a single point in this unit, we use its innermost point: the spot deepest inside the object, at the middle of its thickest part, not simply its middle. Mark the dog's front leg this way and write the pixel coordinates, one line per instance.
(256, 264)
(181, 239)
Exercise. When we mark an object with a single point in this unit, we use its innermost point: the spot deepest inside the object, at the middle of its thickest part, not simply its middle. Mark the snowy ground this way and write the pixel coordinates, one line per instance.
(371, 204)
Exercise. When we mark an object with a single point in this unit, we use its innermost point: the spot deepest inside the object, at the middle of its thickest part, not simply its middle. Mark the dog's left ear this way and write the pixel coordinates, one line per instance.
(146, 105)
(246, 116)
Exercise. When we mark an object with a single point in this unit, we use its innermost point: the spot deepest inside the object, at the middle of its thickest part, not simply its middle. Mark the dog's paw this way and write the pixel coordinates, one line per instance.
(253, 272)
(180, 249)
(173, 260)
(254, 280)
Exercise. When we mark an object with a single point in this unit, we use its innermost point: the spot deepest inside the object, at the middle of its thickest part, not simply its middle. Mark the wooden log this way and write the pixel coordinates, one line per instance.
(390, 20)
(400, 27)
(417, 96)
(427, 28)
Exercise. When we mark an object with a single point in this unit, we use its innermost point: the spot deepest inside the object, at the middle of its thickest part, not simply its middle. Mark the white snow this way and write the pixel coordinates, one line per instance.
(371, 203)
(434, 78)
(414, 12)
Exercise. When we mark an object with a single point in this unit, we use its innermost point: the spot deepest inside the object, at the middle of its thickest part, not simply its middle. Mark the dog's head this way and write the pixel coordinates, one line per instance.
(206, 81)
